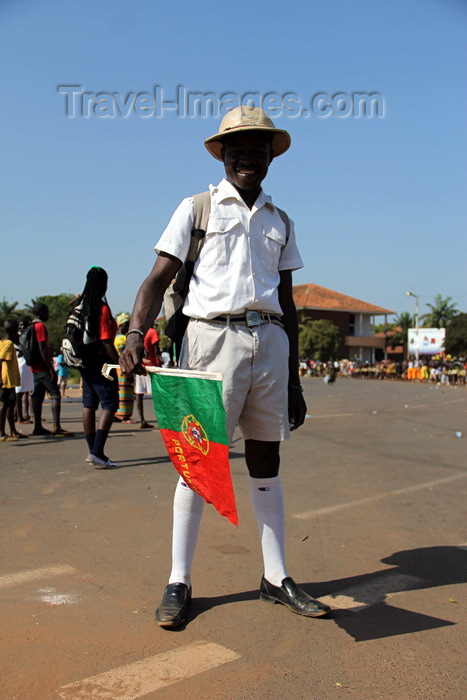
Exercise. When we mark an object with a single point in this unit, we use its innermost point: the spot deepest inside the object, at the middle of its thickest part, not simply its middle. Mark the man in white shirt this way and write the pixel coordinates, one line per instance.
(243, 324)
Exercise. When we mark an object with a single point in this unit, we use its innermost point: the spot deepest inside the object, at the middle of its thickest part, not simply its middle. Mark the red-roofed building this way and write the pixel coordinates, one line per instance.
(354, 318)
(395, 353)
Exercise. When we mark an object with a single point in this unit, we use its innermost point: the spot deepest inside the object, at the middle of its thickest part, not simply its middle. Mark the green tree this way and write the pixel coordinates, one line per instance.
(302, 316)
(456, 336)
(319, 340)
(399, 332)
(164, 341)
(7, 310)
(441, 312)
(382, 327)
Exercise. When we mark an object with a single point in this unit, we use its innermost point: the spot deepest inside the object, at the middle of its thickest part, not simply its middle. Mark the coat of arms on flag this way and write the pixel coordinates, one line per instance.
(195, 434)
(191, 418)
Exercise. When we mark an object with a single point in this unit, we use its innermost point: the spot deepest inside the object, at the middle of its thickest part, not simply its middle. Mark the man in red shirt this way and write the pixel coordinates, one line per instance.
(45, 378)
(152, 356)
(151, 344)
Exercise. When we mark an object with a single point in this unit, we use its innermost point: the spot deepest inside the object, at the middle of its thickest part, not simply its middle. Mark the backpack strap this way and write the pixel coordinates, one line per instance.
(202, 209)
(286, 221)
(202, 202)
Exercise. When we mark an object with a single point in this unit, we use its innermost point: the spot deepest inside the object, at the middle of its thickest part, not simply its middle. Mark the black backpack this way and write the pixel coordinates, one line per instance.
(77, 342)
(29, 346)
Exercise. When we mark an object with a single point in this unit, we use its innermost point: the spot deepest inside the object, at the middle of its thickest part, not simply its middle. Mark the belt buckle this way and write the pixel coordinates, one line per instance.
(253, 318)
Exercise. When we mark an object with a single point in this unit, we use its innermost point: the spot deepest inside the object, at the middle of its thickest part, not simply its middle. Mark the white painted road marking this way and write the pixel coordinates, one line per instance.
(143, 677)
(53, 597)
(372, 499)
(364, 595)
(35, 574)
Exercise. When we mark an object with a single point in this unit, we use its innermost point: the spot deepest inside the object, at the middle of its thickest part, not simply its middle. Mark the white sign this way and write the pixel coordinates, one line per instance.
(427, 341)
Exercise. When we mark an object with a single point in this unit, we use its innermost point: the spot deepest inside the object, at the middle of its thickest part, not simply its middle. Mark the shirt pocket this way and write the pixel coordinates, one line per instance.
(222, 239)
(273, 241)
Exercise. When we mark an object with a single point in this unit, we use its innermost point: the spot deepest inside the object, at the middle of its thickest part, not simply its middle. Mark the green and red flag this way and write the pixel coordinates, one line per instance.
(192, 422)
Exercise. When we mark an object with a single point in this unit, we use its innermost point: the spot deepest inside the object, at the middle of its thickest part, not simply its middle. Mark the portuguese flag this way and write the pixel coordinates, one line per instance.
(191, 419)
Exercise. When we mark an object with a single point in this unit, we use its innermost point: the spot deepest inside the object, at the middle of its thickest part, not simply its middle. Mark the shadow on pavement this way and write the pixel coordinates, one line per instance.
(382, 620)
(125, 463)
(427, 567)
(374, 618)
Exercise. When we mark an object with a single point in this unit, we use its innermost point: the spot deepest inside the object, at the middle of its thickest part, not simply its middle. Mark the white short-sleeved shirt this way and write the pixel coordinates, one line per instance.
(243, 252)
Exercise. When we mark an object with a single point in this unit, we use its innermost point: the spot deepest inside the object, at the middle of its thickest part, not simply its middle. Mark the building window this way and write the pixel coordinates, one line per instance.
(351, 324)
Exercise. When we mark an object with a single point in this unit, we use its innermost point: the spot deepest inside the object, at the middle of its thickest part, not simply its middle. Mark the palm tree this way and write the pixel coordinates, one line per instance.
(441, 312)
(7, 309)
(399, 333)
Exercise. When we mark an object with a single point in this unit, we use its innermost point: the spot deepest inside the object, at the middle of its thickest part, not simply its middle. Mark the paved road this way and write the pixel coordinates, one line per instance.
(375, 495)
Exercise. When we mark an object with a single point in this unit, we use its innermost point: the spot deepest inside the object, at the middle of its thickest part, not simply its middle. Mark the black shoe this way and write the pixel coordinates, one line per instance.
(173, 610)
(293, 597)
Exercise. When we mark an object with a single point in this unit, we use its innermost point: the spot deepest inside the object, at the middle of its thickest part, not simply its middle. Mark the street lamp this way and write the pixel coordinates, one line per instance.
(412, 294)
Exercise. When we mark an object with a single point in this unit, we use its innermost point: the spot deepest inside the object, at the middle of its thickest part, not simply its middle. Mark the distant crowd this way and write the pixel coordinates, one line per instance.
(448, 371)
(24, 381)
(29, 372)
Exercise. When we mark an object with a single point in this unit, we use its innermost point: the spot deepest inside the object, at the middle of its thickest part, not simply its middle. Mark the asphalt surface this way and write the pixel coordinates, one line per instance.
(375, 492)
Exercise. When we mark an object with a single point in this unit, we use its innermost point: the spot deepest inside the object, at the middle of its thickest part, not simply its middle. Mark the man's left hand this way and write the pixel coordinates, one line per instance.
(297, 407)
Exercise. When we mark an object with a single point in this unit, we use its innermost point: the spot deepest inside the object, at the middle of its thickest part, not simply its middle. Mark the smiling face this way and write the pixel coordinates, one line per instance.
(246, 160)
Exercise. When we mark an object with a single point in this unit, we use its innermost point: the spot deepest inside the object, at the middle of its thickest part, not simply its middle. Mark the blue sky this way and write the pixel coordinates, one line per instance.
(379, 204)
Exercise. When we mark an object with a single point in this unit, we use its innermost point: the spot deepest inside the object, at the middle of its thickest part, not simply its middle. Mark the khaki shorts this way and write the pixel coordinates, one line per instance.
(254, 363)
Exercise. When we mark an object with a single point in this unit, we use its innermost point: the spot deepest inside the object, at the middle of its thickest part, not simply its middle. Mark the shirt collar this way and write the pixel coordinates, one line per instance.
(225, 190)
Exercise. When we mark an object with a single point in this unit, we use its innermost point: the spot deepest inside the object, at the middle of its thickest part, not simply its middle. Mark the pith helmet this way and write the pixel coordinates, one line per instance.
(247, 119)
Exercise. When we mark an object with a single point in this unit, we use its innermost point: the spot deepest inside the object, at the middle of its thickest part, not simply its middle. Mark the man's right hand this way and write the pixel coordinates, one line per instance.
(147, 305)
(131, 358)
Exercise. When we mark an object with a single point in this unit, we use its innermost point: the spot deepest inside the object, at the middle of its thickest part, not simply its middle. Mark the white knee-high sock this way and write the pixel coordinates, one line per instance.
(187, 511)
(268, 507)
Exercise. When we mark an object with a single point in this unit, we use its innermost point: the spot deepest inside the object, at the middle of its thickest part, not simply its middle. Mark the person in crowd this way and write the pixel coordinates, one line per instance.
(45, 378)
(23, 391)
(152, 358)
(243, 324)
(165, 359)
(126, 382)
(462, 372)
(423, 371)
(62, 373)
(9, 380)
(101, 328)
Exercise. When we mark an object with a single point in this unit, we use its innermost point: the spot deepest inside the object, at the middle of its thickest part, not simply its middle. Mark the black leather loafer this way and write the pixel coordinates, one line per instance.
(293, 597)
(173, 610)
